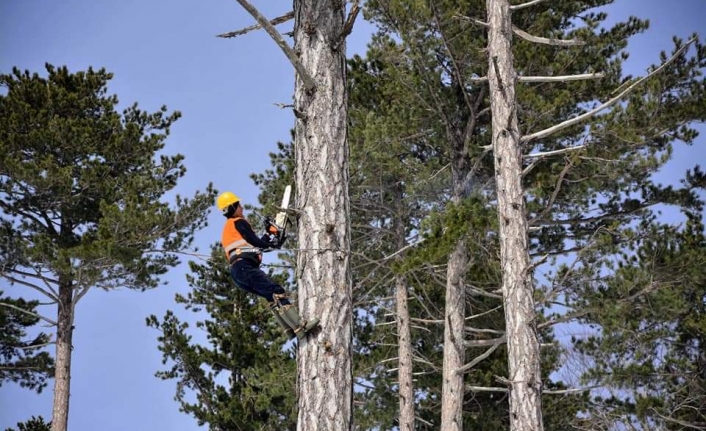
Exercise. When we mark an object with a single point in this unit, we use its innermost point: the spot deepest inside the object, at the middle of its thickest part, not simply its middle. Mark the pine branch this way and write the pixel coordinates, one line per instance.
(545, 391)
(609, 103)
(525, 5)
(30, 285)
(39, 276)
(559, 78)
(30, 313)
(482, 343)
(697, 426)
(554, 152)
(555, 193)
(478, 359)
(277, 37)
(547, 41)
(279, 20)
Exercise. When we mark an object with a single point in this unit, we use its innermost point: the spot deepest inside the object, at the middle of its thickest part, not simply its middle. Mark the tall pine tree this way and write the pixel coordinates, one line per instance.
(81, 197)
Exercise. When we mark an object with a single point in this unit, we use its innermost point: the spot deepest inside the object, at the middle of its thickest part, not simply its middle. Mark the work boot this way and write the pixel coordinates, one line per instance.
(290, 315)
(274, 308)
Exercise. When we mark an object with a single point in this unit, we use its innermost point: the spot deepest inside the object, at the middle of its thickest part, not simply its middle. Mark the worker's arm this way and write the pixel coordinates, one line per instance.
(246, 231)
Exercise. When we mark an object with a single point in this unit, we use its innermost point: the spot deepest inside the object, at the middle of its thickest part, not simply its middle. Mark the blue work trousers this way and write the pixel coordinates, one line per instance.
(249, 277)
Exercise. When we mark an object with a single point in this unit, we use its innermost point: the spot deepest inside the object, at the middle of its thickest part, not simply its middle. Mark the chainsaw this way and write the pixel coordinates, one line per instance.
(277, 228)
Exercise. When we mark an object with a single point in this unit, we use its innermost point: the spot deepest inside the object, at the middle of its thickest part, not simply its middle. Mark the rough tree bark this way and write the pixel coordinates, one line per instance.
(521, 331)
(404, 334)
(62, 376)
(406, 395)
(452, 388)
(323, 276)
(454, 350)
(458, 131)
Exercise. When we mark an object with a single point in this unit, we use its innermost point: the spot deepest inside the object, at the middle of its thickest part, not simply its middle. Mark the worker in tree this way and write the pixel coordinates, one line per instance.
(243, 249)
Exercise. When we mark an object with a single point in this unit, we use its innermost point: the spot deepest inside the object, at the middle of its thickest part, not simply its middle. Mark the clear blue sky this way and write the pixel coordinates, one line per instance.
(165, 52)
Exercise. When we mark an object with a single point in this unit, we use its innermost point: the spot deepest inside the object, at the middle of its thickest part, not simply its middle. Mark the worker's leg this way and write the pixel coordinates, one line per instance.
(275, 309)
(250, 278)
(301, 327)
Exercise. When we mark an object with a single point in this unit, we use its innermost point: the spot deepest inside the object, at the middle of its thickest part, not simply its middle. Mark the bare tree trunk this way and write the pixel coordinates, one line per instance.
(404, 333)
(454, 350)
(521, 330)
(62, 377)
(323, 275)
(452, 388)
(406, 395)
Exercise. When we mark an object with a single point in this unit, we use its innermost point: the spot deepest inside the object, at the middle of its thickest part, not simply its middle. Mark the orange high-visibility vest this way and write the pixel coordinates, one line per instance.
(233, 241)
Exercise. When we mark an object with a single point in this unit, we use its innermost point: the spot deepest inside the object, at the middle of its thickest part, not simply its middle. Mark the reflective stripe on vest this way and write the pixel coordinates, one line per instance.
(232, 240)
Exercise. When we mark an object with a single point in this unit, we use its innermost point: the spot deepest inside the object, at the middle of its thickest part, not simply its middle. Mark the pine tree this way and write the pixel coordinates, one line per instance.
(81, 187)
(33, 424)
(606, 163)
(23, 361)
(240, 376)
(648, 354)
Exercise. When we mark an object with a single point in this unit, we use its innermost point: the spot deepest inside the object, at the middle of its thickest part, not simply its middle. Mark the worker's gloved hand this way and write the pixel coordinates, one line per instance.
(270, 226)
(275, 242)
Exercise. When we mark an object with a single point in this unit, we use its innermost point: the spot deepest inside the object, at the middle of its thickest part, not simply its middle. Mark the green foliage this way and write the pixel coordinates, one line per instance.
(239, 376)
(34, 424)
(22, 361)
(82, 184)
(652, 319)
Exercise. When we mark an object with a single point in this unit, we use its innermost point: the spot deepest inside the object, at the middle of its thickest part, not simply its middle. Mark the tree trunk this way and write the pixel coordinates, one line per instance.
(325, 388)
(521, 330)
(62, 377)
(454, 350)
(452, 389)
(406, 395)
(404, 334)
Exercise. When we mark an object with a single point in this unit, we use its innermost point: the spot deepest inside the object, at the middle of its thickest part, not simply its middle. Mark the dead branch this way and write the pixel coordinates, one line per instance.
(472, 20)
(560, 78)
(545, 391)
(477, 359)
(31, 285)
(483, 343)
(609, 103)
(524, 5)
(554, 152)
(348, 25)
(276, 21)
(483, 330)
(309, 82)
(547, 41)
(22, 310)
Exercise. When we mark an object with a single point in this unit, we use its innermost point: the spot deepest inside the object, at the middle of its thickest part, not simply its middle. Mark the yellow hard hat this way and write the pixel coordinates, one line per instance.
(226, 199)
